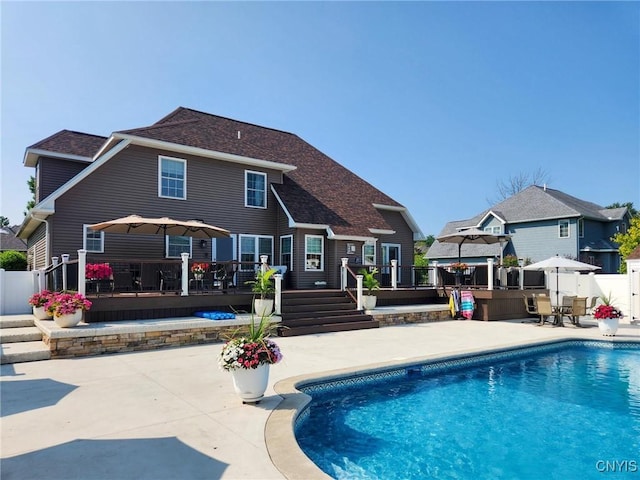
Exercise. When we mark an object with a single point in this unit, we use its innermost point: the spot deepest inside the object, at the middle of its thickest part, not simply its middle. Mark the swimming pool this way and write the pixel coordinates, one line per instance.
(563, 410)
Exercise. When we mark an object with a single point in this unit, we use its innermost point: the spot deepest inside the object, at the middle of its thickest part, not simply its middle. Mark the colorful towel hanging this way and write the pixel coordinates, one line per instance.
(467, 304)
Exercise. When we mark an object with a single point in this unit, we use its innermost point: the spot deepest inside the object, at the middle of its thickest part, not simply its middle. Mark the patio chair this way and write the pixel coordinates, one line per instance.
(543, 304)
(530, 304)
(578, 309)
(169, 280)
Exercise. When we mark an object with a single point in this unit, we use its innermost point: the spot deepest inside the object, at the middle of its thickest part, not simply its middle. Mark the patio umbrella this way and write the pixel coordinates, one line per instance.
(164, 225)
(471, 236)
(560, 264)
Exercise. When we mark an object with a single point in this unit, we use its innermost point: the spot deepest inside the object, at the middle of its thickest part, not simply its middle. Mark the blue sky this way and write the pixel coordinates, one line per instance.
(431, 102)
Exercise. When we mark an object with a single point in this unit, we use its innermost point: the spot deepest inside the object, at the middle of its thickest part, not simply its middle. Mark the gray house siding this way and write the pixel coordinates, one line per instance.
(54, 172)
(403, 236)
(539, 240)
(128, 184)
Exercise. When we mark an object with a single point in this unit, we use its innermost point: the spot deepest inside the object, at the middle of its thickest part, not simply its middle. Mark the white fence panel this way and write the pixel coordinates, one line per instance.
(15, 290)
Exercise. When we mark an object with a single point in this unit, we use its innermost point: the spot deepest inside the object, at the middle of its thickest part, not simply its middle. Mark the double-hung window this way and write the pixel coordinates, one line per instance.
(563, 228)
(172, 178)
(176, 245)
(252, 247)
(368, 254)
(255, 189)
(93, 241)
(314, 252)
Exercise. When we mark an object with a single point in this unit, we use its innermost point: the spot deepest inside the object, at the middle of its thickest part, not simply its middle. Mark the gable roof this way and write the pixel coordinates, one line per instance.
(317, 192)
(532, 204)
(67, 144)
(9, 240)
(314, 193)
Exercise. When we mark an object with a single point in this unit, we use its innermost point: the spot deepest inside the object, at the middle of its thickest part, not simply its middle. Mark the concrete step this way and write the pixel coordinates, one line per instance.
(24, 352)
(17, 321)
(20, 334)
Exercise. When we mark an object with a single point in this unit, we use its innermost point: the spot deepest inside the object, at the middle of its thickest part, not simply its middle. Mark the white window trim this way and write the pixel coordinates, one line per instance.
(256, 253)
(166, 246)
(290, 253)
(246, 188)
(84, 239)
(306, 252)
(364, 257)
(182, 160)
(560, 222)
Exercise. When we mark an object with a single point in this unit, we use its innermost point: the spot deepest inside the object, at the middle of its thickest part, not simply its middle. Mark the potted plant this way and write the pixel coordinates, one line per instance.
(608, 316)
(198, 270)
(247, 356)
(458, 270)
(263, 286)
(371, 283)
(99, 273)
(67, 308)
(38, 302)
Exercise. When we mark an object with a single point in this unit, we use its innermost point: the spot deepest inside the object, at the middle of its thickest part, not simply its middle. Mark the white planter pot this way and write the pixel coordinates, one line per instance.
(69, 320)
(608, 326)
(369, 302)
(40, 313)
(262, 308)
(251, 383)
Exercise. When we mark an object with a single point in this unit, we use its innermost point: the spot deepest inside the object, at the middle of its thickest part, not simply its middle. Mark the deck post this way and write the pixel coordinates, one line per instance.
(343, 274)
(489, 273)
(434, 269)
(359, 306)
(185, 274)
(82, 272)
(394, 274)
(278, 294)
(65, 262)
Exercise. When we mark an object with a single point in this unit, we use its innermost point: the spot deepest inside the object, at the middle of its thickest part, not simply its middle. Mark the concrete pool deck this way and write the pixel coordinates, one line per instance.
(172, 413)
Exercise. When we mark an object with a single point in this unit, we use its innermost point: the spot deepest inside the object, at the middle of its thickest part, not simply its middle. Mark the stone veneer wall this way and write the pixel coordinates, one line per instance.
(402, 318)
(133, 342)
(81, 346)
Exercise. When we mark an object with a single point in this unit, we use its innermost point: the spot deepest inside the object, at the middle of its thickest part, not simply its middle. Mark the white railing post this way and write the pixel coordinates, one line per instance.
(65, 261)
(489, 273)
(185, 274)
(278, 294)
(359, 289)
(435, 273)
(521, 273)
(54, 262)
(394, 274)
(82, 264)
(343, 273)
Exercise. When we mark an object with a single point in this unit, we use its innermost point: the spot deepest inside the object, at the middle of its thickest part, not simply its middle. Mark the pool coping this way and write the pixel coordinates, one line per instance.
(282, 446)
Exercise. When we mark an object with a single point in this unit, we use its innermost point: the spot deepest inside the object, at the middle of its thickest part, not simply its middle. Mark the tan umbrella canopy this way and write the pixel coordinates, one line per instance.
(164, 225)
(471, 235)
(560, 264)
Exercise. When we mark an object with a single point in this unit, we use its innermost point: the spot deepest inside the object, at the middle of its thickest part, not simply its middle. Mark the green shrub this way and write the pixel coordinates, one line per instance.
(13, 260)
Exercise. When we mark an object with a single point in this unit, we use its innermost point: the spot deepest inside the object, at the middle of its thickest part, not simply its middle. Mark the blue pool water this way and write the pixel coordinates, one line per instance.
(560, 411)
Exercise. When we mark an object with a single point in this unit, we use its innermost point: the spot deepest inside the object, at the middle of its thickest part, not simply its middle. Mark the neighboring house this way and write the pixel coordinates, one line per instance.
(9, 240)
(542, 222)
(274, 192)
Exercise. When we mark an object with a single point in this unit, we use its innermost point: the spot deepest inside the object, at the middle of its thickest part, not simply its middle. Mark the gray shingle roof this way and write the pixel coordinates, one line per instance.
(531, 204)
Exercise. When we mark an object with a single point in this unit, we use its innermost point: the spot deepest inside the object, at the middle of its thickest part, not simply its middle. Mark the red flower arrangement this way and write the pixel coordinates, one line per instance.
(458, 267)
(606, 311)
(40, 299)
(199, 268)
(98, 271)
(64, 303)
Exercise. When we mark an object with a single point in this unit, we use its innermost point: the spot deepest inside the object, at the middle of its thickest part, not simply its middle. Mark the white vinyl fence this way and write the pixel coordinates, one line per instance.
(15, 290)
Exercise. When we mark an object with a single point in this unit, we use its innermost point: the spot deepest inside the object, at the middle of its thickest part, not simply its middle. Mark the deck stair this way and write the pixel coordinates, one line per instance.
(319, 311)
(21, 341)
